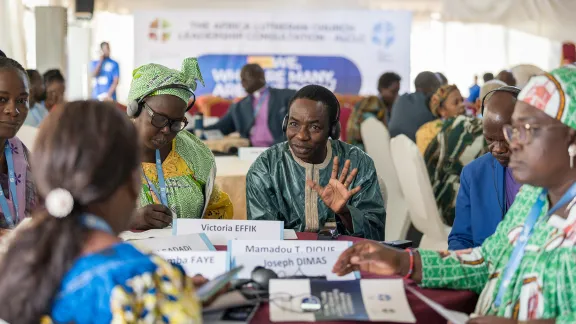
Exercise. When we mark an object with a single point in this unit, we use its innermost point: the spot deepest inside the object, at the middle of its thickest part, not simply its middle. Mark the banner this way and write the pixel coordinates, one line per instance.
(345, 51)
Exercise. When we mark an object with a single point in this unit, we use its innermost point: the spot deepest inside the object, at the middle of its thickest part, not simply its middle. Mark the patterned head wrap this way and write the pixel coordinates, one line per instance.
(554, 93)
(440, 96)
(150, 76)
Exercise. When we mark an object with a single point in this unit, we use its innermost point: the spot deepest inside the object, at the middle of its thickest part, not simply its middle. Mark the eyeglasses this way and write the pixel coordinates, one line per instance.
(524, 134)
(160, 121)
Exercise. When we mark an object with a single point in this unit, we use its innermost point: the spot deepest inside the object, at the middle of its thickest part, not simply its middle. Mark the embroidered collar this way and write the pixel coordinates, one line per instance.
(322, 165)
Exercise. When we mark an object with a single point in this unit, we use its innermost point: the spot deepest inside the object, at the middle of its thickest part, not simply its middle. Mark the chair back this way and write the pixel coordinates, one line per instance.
(344, 116)
(417, 189)
(377, 144)
(383, 190)
(27, 135)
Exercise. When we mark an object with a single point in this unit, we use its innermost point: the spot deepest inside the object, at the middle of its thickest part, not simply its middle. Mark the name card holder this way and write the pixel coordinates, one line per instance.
(219, 231)
(183, 243)
(292, 265)
(258, 249)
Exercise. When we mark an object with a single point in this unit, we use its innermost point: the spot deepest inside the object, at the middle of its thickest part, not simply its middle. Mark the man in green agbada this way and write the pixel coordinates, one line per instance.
(298, 181)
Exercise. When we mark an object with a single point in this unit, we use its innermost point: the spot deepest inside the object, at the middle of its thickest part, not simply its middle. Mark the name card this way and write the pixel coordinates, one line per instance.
(220, 231)
(212, 135)
(250, 153)
(190, 242)
(290, 265)
(256, 249)
(209, 264)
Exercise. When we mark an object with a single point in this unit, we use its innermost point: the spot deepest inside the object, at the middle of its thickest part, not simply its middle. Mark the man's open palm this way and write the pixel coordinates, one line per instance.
(336, 194)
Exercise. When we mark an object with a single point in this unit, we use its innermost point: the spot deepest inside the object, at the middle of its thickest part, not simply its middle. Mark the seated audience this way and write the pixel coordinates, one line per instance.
(538, 230)
(487, 77)
(378, 107)
(507, 77)
(446, 103)
(68, 265)
(175, 163)
(55, 86)
(312, 181)
(411, 110)
(487, 188)
(259, 115)
(18, 199)
(37, 109)
(458, 143)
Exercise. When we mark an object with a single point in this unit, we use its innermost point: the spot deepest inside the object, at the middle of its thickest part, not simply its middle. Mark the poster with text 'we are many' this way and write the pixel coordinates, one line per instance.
(345, 51)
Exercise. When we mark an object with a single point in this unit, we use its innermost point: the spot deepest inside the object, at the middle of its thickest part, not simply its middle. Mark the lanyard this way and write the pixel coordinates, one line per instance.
(161, 194)
(518, 251)
(12, 187)
(260, 102)
(94, 222)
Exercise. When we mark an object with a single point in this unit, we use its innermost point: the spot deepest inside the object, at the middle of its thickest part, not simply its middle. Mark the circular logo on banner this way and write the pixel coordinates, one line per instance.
(159, 30)
(383, 34)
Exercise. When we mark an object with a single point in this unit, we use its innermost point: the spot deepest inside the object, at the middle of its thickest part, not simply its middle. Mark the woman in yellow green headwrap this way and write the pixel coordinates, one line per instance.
(178, 170)
(446, 103)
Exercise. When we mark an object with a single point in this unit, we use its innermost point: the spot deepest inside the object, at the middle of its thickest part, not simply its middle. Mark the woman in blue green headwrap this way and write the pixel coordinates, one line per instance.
(178, 170)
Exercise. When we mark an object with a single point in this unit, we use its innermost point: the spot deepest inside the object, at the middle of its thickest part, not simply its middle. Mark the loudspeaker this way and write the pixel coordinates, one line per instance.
(84, 9)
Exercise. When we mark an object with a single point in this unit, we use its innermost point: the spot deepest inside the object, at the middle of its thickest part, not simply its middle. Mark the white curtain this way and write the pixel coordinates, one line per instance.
(553, 19)
(13, 42)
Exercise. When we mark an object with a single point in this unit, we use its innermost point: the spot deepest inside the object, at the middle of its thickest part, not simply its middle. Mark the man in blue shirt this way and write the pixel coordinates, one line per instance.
(487, 188)
(106, 73)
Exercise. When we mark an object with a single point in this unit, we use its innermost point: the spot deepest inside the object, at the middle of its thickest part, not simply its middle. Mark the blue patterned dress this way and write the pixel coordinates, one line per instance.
(124, 285)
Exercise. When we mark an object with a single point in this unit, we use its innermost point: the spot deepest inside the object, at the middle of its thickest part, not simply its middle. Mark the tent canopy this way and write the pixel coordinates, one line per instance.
(548, 18)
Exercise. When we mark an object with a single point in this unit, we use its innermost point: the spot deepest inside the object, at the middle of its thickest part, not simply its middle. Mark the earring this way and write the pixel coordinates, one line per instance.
(572, 154)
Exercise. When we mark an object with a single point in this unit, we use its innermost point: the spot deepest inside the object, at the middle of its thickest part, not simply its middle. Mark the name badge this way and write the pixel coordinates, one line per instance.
(209, 264)
(219, 231)
(184, 243)
(292, 265)
(250, 153)
(257, 248)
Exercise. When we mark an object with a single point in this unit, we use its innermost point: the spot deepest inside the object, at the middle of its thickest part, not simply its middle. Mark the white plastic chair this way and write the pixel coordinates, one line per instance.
(417, 190)
(27, 135)
(383, 190)
(377, 144)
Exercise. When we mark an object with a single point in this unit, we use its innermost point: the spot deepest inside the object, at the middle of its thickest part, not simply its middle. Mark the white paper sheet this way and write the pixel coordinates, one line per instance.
(290, 234)
(130, 236)
(453, 317)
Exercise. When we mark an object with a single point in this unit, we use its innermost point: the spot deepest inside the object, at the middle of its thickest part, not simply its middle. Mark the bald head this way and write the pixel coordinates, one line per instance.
(498, 109)
(507, 77)
(252, 77)
(427, 82)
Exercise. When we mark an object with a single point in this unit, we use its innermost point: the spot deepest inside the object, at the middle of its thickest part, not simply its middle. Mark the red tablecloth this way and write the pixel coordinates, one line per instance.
(462, 301)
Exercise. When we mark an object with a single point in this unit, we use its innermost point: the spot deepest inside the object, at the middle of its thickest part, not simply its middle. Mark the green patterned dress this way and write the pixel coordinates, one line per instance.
(543, 287)
(459, 142)
(190, 172)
